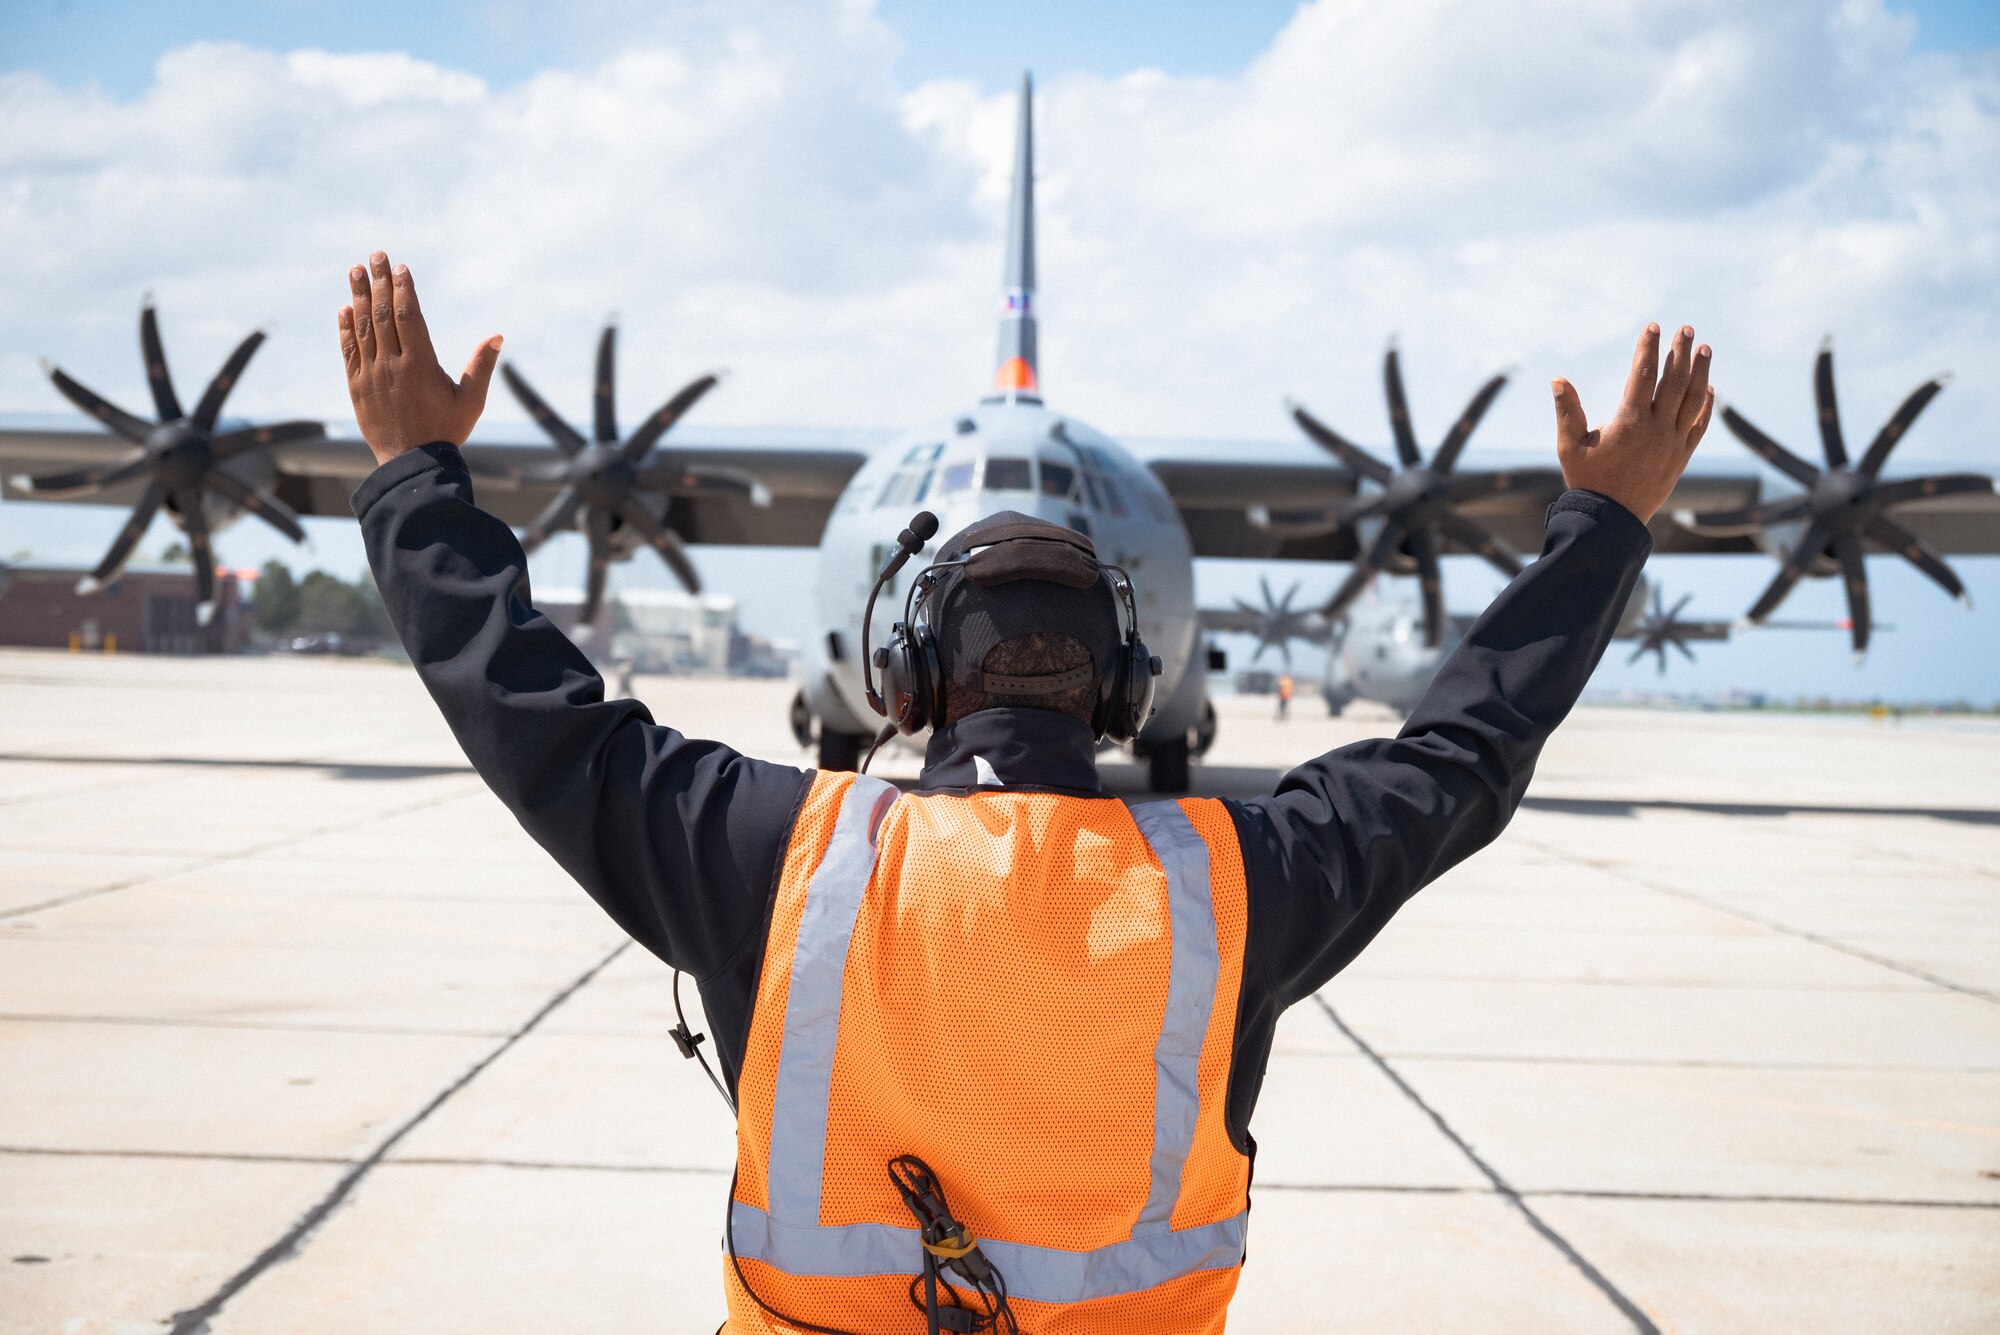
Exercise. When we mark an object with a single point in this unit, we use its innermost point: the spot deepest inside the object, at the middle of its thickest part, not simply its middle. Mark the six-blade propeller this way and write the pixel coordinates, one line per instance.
(1661, 627)
(180, 456)
(1277, 624)
(602, 479)
(1416, 508)
(1843, 504)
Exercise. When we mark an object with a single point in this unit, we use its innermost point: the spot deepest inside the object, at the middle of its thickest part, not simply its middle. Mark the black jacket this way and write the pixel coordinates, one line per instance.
(681, 840)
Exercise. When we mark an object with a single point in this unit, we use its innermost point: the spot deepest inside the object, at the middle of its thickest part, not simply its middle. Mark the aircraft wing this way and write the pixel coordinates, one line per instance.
(803, 472)
(1284, 511)
(1266, 511)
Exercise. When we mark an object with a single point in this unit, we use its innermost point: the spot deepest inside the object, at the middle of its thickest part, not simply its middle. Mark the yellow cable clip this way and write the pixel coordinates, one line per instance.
(951, 1251)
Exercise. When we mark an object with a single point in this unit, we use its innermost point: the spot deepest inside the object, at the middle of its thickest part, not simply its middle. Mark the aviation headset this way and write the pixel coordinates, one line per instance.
(911, 695)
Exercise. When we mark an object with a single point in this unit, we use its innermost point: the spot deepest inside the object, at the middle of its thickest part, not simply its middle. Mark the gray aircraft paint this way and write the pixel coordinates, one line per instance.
(1009, 452)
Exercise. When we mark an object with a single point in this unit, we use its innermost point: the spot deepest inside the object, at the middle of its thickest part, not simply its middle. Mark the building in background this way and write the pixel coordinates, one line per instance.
(148, 609)
(662, 630)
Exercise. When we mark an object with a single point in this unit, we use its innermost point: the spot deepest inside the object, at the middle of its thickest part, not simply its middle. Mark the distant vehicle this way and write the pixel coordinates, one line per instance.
(329, 642)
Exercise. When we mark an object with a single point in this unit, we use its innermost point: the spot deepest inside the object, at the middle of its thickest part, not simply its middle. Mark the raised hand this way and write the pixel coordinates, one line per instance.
(1637, 457)
(402, 397)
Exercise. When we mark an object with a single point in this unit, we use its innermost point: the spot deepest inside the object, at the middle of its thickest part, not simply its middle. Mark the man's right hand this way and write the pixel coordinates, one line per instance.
(402, 397)
(1637, 457)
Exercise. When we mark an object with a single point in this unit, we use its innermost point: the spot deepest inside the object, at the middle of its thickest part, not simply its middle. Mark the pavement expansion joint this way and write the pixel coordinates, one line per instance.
(236, 855)
(1631, 1310)
(1620, 872)
(195, 1320)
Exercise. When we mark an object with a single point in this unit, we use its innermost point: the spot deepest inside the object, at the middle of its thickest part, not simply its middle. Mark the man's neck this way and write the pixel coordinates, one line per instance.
(1012, 748)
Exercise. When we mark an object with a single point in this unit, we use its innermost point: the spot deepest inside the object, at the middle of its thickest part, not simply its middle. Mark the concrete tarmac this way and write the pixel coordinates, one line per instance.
(299, 1033)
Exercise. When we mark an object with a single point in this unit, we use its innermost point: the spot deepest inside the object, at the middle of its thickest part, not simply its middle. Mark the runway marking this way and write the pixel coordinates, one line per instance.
(217, 859)
(1620, 872)
(194, 1320)
(1505, 1190)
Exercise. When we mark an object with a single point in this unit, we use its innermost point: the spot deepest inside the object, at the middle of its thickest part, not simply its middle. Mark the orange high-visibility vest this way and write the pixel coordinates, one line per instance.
(1036, 995)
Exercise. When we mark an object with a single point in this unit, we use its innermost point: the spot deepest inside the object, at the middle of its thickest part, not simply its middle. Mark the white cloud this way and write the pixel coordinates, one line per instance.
(1497, 186)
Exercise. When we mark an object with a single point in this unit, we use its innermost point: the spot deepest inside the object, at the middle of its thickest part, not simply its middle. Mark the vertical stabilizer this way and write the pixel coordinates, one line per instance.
(1016, 376)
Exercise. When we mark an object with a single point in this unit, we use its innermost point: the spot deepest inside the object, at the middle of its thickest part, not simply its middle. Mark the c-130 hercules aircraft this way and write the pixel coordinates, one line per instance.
(1009, 451)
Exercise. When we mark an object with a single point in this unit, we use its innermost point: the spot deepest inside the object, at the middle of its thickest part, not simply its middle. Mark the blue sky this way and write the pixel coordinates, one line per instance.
(1194, 273)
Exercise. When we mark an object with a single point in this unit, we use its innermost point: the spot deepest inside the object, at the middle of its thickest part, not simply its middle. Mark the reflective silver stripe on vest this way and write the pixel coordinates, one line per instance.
(1191, 979)
(1037, 1274)
(789, 1236)
(812, 1007)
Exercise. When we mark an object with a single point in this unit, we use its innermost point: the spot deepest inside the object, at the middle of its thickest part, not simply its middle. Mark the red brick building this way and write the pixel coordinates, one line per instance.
(147, 609)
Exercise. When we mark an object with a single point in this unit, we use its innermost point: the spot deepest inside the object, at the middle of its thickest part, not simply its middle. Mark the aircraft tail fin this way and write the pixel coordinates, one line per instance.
(1016, 376)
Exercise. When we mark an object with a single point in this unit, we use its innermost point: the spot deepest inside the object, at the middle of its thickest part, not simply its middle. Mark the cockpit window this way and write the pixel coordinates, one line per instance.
(905, 486)
(1057, 479)
(1009, 475)
(956, 477)
(923, 454)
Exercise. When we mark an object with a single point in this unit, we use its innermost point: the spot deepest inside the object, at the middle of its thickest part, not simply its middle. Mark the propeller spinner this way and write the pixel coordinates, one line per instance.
(1417, 504)
(602, 478)
(1842, 504)
(180, 456)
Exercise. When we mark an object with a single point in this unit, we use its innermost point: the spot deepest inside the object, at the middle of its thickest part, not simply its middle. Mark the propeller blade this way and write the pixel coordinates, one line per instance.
(1750, 517)
(1364, 570)
(128, 537)
(82, 481)
(1360, 460)
(556, 515)
(1285, 607)
(1892, 430)
(1661, 650)
(1675, 615)
(1423, 546)
(664, 541)
(1829, 409)
(1461, 430)
(165, 401)
(1853, 573)
(225, 380)
(114, 417)
(1941, 484)
(188, 503)
(267, 508)
(1770, 451)
(232, 443)
(1686, 652)
(670, 412)
(606, 394)
(1790, 572)
(1917, 552)
(561, 432)
(1243, 606)
(1264, 585)
(1350, 512)
(1638, 654)
(1475, 538)
(597, 530)
(1399, 411)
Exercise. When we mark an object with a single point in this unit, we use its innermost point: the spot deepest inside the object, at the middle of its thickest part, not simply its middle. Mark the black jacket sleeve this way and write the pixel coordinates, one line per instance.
(679, 840)
(1348, 837)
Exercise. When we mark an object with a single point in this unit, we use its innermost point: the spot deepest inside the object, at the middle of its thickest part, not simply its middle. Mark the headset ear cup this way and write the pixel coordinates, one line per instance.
(926, 681)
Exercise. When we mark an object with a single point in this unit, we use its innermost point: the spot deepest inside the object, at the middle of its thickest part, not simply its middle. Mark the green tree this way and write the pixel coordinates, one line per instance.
(328, 604)
(275, 604)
